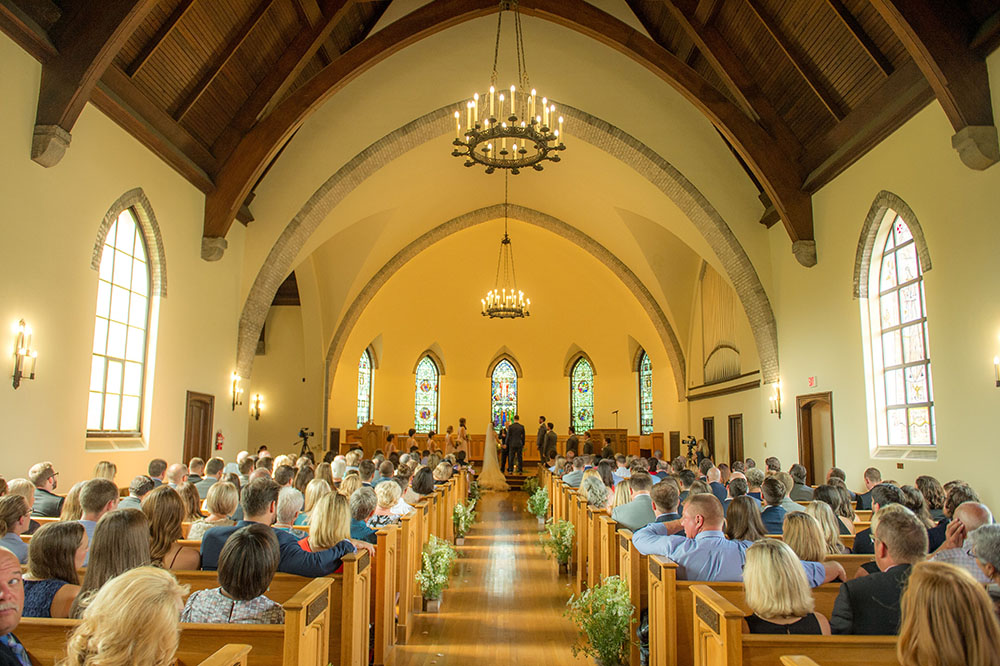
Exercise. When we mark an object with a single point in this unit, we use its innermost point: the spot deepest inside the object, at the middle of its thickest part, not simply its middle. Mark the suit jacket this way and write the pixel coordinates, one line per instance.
(870, 605)
(865, 501)
(157, 482)
(515, 436)
(47, 505)
(719, 491)
(863, 544)
(293, 560)
(204, 485)
(573, 443)
(801, 491)
(7, 656)
(773, 518)
(194, 478)
(551, 441)
(937, 535)
(635, 514)
(542, 429)
(667, 517)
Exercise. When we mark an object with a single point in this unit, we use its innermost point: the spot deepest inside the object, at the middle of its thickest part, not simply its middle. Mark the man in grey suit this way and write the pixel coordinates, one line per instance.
(638, 512)
(800, 491)
(551, 441)
(573, 479)
(213, 472)
(515, 445)
(541, 438)
(140, 485)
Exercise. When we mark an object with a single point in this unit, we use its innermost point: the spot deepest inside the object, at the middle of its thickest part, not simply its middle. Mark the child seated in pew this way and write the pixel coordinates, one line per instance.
(778, 593)
(247, 565)
(50, 587)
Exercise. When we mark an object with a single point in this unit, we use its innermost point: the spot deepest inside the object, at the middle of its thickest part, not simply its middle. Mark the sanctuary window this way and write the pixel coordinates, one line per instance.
(581, 395)
(425, 409)
(503, 400)
(364, 388)
(645, 394)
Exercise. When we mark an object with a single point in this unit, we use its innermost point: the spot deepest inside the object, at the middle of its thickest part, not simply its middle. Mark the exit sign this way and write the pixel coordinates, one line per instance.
(812, 382)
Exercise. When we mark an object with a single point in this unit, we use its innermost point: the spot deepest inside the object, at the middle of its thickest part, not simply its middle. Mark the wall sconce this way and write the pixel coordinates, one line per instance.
(255, 404)
(996, 369)
(775, 399)
(24, 356)
(237, 391)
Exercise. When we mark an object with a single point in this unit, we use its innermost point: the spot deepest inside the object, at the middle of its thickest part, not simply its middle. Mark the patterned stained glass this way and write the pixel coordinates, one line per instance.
(645, 395)
(503, 399)
(902, 315)
(581, 395)
(364, 388)
(118, 357)
(425, 402)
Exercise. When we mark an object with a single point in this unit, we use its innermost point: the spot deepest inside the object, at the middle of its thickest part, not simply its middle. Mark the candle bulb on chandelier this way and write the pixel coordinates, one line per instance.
(532, 102)
(458, 126)
(560, 124)
(492, 95)
(468, 115)
(512, 111)
(475, 114)
(545, 111)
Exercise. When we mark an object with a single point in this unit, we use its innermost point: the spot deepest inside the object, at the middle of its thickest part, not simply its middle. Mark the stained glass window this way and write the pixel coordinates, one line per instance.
(905, 400)
(118, 358)
(364, 388)
(645, 395)
(425, 402)
(581, 395)
(503, 400)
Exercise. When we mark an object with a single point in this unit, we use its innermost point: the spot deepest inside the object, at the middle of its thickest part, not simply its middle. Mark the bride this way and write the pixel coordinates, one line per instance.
(492, 477)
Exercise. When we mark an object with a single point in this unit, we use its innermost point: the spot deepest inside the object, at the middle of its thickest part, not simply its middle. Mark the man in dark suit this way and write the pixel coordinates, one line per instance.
(541, 437)
(573, 441)
(47, 503)
(714, 476)
(873, 477)
(259, 504)
(515, 445)
(882, 495)
(800, 491)
(12, 653)
(870, 605)
(196, 467)
(666, 500)
(156, 469)
(213, 473)
(551, 441)
(773, 515)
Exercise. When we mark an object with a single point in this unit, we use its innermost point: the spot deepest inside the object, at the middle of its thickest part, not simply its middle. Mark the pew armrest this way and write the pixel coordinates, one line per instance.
(229, 655)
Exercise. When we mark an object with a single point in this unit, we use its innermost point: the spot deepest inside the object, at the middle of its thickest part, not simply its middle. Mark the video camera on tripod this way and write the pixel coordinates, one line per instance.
(304, 435)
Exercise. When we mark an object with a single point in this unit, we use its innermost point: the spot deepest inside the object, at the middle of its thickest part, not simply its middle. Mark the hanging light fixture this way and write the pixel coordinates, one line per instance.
(516, 132)
(505, 301)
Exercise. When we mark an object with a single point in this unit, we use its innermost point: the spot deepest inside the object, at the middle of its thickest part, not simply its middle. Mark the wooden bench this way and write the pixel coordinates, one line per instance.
(846, 539)
(581, 540)
(229, 655)
(302, 640)
(797, 660)
(405, 582)
(609, 546)
(633, 567)
(718, 639)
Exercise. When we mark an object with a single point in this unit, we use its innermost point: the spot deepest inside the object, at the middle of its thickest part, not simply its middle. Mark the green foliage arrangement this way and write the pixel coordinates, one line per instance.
(530, 485)
(538, 503)
(557, 540)
(463, 516)
(474, 492)
(438, 557)
(602, 614)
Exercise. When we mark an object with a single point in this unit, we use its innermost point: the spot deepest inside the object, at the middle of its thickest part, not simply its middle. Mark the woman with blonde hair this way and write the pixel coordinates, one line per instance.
(192, 501)
(71, 508)
(387, 495)
(330, 524)
(51, 582)
(350, 483)
(621, 495)
(323, 473)
(828, 527)
(946, 619)
(743, 521)
(164, 509)
(221, 504)
(105, 469)
(134, 619)
(315, 490)
(120, 543)
(803, 535)
(778, 593)
(596, 492)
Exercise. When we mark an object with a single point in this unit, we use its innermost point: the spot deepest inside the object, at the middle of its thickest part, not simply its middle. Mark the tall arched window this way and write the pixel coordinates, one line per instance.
(581, 395)
(364, 388)
(503, 400)
(117, 374)
(645, 394)
(425, 402)
(898, 367)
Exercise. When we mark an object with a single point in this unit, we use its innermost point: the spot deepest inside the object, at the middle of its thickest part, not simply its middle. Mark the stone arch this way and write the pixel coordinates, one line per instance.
(434, 356)
(575, 356)
(137, 201)
(884, 202)
(504, 354)
(637, 358)
(372, 355)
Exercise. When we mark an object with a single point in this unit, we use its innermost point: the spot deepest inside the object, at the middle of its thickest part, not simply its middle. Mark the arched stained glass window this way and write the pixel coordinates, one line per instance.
(503, 400)
(581, 395)
(425, 403)
(645, 395)
(118, 359)
(364, 388)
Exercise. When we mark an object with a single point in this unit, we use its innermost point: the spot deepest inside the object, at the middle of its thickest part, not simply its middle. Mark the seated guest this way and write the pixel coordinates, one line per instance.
(134, 619)
(699, 487)
(914, 501)
(363, 503)
(704, 465)
(573, 479)
(367, 469)
(714, 478)
(387, 469)
(192, 501)
(51, 585)
(829, 527)
(881, 495)
(933, 494)
(176, 475)
(246, 467)
(303, 476)
(748, 464)
(743, 520)
(338, 468)
(213, 473)
(772, 465)
(289, 504)
(773, 515)
(872, 477)
(787, 503)
(196, 467)
(956, 495)
(968, 517)
(164, 509)
(401, 508)
(803, 535)
(105, 469)
(621, 470)
(442, 472)
(704, 553)
(387, 495)
(47, 503)
(603, 469)
(331, 525)
(686, 479)
(247, 565)
(947, 620)
(620, 496)
(557, 463)
(596, 492)
(25, 489)
(638, 511)
(71, 507)
(755, 477)
(14, 519)
(985, 548)
(314, 491)
(120, 543)
(352, 482)
(259, 502)
(323, 473)
(870, 604)
(97, 497)
(838, 499)
(738, 487)
(800, 491)
(221, 504)
(12, 653)
(777, 592)
(140, 485)
(421, 486)
(725, 472)
(156, 470)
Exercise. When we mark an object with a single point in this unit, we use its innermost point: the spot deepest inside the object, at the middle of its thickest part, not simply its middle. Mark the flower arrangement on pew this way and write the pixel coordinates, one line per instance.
(463, 516)
(474, 492)
(530, 485)
(558, 541)
(538, 505)
(437, 560)
(602, 614)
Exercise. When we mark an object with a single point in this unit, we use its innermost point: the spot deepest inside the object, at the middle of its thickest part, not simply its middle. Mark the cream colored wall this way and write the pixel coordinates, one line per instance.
(50, 223)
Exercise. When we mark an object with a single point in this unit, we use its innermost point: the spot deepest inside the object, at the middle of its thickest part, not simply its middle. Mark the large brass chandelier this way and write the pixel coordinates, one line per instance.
(505, 301)
(510, 129)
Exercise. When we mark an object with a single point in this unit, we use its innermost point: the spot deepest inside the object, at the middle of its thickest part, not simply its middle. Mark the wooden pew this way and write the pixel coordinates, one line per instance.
(634, 569)
(404, 580)
(797, 660)
(594, 574)
(229, 655)
(851, 563)
(422, 523)
(846, 539)
(609, 546)
(580, 541)
(302, 640)
(384, 593)
(719, 639)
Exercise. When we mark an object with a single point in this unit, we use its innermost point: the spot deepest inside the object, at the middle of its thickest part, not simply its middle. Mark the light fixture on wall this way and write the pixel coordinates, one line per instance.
(24, 356)
(504, 301)
(237, 391)
(775, 399)
(515, 133)
(255, 404)
(996, 369)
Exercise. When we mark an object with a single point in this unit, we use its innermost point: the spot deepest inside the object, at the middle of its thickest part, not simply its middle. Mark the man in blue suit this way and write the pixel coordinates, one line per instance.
(259, 503)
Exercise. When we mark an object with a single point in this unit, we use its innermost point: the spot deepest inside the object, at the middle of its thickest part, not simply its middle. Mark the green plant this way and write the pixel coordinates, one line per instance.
(437, 559)
(530, 485)
(463, 516)
(557, 540)
(603, 614)
(538, 503)
(474, 492)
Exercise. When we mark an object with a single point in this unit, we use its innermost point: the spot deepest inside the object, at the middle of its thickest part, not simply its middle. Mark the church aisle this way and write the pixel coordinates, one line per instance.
(505, 602)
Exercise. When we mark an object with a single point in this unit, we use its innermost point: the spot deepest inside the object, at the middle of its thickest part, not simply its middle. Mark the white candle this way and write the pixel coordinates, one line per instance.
(492, 95)
(532, 101)
(512, 111)
(475, 116)
(545, 111)
(560, 124)
(458, 126)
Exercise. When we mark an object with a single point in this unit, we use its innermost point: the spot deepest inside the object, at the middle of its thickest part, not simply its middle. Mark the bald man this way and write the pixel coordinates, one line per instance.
(177, 474)
(704, 553)
(968, 517)
(11, 605)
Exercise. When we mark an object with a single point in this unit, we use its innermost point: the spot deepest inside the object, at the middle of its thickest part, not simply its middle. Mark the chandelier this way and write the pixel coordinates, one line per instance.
(516, 132)
(504, 301)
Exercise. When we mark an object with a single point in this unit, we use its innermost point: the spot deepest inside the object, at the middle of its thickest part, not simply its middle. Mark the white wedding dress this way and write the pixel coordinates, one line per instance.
(492, 477)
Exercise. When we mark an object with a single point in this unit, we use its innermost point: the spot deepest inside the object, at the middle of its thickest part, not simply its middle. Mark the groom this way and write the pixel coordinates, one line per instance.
(515, 445)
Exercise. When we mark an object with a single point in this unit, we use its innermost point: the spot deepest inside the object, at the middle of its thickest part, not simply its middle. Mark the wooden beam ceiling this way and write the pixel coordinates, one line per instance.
(157, 39)
(859, 34)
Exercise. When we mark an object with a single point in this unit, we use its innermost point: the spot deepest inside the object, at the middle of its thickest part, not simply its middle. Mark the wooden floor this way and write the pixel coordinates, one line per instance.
(505, 601)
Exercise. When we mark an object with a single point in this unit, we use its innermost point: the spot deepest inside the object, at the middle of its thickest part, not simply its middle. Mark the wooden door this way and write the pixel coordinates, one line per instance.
(675, 444)
(708, 433)
(814, 413)
(199, 421)
(735, 438)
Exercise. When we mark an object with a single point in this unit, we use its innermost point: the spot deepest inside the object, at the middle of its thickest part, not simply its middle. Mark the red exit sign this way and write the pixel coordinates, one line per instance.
(812, 382)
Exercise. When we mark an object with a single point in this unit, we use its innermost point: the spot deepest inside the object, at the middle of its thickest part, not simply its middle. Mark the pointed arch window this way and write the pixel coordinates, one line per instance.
(365, 388)
(426, 399)
(645, 394)
(503, 398)
(581, 395)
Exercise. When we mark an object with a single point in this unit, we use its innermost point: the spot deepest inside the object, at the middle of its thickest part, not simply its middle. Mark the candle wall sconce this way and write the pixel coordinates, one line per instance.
(775, 399)
(25, 357)
(255, 405)
(237, 391)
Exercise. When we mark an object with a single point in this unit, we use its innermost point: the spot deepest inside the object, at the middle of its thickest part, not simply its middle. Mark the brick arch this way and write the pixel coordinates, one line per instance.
(883, 203)
(137, 201)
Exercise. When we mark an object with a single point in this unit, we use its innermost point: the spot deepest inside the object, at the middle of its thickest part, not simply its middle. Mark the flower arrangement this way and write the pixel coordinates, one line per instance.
(602, 614)
(558, 540)
(530, 485)
(463, 516)
(538, 503)
(474, 492)
(437, 559)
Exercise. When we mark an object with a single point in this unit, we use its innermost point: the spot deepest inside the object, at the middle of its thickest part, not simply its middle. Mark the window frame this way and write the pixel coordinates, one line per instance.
(436, 389)
(582, 358)
(493, 371)
(644, 359)
(371, 388)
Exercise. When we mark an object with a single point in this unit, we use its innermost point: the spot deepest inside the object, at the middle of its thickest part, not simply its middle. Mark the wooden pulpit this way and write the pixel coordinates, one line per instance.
(619, 439)
(373, 438)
